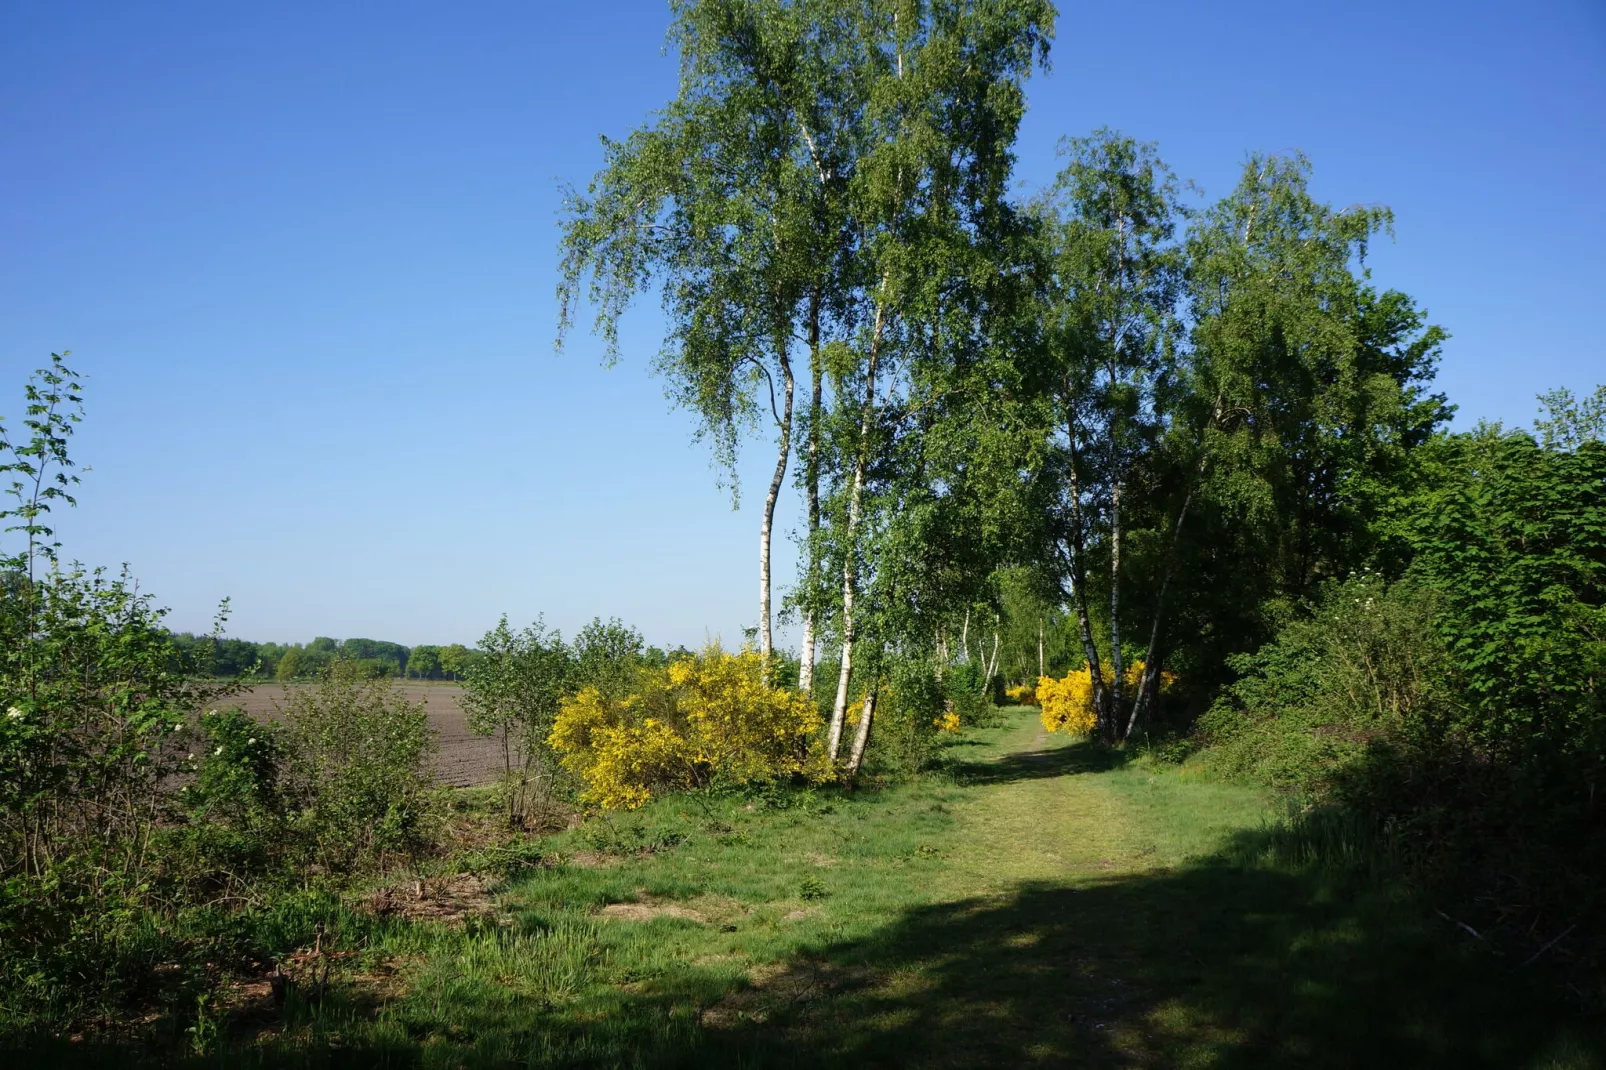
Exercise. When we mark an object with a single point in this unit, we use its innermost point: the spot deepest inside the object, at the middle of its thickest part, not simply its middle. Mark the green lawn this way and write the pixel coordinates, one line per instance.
(1035, 902)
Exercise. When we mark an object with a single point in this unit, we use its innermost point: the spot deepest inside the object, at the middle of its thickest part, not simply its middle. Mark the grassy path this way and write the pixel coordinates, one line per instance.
(1041, 903)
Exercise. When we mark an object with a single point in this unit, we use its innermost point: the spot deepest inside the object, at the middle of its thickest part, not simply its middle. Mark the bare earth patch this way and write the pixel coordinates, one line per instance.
(589, 859)
(444, 899)
(646, 911)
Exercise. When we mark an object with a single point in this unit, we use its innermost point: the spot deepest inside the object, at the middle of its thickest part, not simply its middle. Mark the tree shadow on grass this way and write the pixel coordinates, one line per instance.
(1083, 756)
(1214, 965)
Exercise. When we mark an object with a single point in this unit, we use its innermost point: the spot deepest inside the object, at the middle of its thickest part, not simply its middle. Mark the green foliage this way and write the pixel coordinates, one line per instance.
(969, 691)
(512, 691)
(1568, 422)
(1366, 666)
(1513, 536)
(424, 663)
(906, 715)
(1457, 714)
(357, 772)
(606, 655)
(455, 660)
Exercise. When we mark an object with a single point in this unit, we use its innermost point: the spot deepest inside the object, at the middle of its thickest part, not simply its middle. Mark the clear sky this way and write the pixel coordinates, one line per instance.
(306, 255)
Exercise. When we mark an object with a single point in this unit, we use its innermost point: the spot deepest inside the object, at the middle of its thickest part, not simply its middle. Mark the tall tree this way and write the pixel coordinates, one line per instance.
(731, 202)
(1114, 282)
(1299, 394)
(931, 221)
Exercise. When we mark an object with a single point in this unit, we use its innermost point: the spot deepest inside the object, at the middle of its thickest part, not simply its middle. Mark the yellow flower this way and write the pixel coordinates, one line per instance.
(1067, 704)
(706, 717)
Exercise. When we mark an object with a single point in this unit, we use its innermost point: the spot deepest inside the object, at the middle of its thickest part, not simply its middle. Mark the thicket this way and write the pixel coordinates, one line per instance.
(154, 840)
(1456, 707)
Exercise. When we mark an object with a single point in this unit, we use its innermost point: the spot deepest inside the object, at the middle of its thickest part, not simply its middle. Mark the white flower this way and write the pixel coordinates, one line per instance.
(217, 752)
(250, 741)
(14, 714)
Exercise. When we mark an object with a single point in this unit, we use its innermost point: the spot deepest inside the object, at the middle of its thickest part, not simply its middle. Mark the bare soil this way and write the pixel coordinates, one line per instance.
(462, 760)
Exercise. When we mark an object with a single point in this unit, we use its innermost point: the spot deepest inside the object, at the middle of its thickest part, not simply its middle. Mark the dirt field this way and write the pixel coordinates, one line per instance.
(463, 760)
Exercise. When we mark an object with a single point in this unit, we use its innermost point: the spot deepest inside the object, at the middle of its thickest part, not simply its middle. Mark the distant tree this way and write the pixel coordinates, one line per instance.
(424, 662)
(454, 660)
(289, 665)
(324, 645)
(375, 649)
(315, 661)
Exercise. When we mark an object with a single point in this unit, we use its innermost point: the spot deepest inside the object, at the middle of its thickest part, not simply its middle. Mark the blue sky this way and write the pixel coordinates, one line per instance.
(305, 254)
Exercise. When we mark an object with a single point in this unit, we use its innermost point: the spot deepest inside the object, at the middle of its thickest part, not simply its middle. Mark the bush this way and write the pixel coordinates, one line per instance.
(910, 710)
(1068, 704)
(512, 691)
(691, 724)
(357, 770)
(1021, 695)
(1366, 666)
(965, 692)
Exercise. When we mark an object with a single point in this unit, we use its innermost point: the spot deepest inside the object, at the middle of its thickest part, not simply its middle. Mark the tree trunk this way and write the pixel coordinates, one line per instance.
(861, 738)
(1041, 671)
(766, 642)
(1117, 658)
(1084, 620)
(1151, 667)
(839, 709)
(811, 479)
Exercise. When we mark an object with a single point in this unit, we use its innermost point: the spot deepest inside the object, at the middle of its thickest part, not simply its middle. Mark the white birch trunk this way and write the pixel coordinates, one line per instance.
(839, 709)
(805, 672)
(766, 642)
(861, 737)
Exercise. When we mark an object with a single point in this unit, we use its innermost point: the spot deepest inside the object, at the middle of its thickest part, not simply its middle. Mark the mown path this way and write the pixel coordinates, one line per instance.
(1090, 912)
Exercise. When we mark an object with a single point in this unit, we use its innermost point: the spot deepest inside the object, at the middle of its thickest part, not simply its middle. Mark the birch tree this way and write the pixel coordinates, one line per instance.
(1115, 281)
(944, 97)
(729, 202)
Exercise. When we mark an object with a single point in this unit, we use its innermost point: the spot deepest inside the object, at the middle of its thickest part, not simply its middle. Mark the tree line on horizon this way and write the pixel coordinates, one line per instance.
(229, 658)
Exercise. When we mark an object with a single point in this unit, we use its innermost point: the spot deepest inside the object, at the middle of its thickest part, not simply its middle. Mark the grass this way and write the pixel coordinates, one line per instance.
(1034, 901)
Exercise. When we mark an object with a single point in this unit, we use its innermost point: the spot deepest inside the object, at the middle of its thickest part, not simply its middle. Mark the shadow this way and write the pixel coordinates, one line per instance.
(1213, 966)
(1054, 760)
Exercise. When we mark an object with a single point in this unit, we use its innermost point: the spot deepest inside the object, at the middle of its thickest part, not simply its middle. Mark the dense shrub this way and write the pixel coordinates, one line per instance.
(1459, 714)
(910, 710)
(696, 722)
(966, 691)
(357, 769)
(1366, 666)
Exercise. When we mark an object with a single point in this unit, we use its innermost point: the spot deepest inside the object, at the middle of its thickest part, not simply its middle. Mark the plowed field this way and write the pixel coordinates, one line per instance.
(463, 759)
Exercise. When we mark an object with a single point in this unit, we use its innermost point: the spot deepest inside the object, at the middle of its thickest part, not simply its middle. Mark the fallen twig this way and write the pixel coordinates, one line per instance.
(1535, 956)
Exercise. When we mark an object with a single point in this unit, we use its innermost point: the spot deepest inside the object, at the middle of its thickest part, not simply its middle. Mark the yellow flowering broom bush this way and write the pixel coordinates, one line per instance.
(1067, 704)
(696, 721)
(1022, 695)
